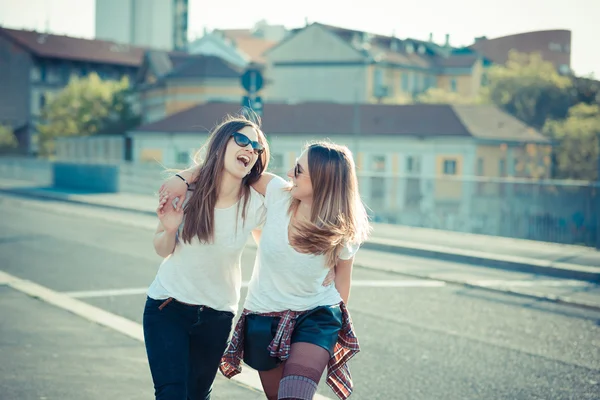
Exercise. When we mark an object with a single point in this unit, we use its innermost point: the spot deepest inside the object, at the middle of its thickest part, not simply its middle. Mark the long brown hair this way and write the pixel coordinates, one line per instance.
(200, 209)
(338, 216)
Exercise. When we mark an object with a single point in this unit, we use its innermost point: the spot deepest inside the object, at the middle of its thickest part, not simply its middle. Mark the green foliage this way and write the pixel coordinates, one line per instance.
(530, 89)
(85, 107)
(8, 140)
(577, 137)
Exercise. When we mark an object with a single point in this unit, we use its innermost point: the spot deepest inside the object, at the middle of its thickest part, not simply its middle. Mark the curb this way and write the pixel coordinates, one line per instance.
(497, 261)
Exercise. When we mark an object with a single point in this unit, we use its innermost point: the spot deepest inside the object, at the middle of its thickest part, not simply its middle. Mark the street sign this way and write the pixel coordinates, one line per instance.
(255, 105)
(252, 80)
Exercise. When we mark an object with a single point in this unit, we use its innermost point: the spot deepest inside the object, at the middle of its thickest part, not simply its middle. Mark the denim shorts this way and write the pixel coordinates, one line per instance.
(320, 326)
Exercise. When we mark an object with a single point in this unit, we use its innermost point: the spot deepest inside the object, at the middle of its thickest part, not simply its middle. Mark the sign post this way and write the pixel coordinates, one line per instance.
(252, 80)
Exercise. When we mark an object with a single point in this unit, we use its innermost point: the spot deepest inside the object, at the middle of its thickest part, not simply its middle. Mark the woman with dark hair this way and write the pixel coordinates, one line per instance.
(192, 300)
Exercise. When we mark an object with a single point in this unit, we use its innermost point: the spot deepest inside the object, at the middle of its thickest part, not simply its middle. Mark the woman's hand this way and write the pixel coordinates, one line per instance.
(170, 217)
(176, 189)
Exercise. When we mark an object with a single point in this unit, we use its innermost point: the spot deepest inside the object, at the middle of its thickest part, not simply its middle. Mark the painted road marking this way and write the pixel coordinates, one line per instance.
(248, 377)
(418, 283)
(84, 294)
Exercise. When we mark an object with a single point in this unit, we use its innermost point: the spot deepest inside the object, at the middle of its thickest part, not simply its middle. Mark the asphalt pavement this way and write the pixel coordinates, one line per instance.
(420, 338)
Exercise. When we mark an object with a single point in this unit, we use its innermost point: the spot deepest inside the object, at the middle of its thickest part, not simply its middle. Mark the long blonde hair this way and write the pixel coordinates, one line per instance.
(199, 212)
(338, 216)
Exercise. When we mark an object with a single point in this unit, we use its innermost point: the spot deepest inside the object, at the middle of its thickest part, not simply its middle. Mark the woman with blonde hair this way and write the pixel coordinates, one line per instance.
(192, 300)
(295, 323)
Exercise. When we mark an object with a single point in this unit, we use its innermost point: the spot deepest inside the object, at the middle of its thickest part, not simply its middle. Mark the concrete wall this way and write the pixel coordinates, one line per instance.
(34, 170)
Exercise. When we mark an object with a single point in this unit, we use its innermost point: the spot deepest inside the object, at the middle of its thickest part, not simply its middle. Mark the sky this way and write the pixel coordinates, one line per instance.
(462, 19)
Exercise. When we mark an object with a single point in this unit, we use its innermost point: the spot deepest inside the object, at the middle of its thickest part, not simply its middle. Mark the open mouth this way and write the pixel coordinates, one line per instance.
(244, 159)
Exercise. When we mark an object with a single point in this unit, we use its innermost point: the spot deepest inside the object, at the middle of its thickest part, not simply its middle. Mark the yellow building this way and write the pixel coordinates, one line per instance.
(326, 63)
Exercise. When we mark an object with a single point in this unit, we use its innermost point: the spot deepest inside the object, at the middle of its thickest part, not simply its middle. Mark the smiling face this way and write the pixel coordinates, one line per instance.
(239, 160)
(300, 175)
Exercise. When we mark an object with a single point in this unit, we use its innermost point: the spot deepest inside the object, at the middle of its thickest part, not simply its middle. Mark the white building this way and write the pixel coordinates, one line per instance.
(160, 24)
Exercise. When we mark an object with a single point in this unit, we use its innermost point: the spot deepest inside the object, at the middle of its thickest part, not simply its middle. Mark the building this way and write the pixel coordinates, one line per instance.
(438, 166)
(433, 145)
(160, 24)
(326, 63)
(168, 83)
(33, 65)
(240, 46)
(553, 45)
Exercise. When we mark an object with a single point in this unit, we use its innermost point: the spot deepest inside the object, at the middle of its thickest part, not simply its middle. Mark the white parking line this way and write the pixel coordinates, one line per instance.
(417, 283)
(248, 377)
(355, 283)
(85, 294)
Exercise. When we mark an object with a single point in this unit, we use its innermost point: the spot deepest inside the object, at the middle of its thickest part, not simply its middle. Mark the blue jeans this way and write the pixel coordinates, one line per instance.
(184, 344)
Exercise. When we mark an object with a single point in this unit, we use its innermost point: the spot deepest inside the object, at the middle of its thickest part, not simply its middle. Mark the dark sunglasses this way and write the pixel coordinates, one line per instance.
(243, 141)
(297, 170)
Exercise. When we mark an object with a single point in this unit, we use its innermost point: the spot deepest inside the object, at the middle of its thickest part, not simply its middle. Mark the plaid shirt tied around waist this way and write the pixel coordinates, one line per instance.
(339, 378)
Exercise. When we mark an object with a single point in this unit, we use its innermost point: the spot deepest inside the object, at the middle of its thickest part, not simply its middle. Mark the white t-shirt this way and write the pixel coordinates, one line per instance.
(210, 274)
(284, 279)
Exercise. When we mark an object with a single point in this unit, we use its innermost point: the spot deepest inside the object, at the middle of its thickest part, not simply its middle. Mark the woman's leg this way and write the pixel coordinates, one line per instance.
(167, 345)
(208, 341)
(270, 381)
(303, 371)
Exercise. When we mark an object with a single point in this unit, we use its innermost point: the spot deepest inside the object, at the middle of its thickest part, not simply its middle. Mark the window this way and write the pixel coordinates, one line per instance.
(36, 73)
(502, 167)
(480, 167)
(378, 163)
(413, 165)
(378, 77)
(554, 46)
(53, 74)
(449, 167)
(405, 82)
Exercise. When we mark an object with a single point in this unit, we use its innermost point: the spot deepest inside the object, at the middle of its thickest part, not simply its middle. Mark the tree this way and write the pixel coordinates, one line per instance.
(8, 140)
(577, 139)
(441, 96)
(86, 106)
(530, 89)
(587, 90)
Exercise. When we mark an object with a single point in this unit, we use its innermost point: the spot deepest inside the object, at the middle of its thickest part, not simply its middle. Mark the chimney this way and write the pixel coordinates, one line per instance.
(431, 37)
(447, 43)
